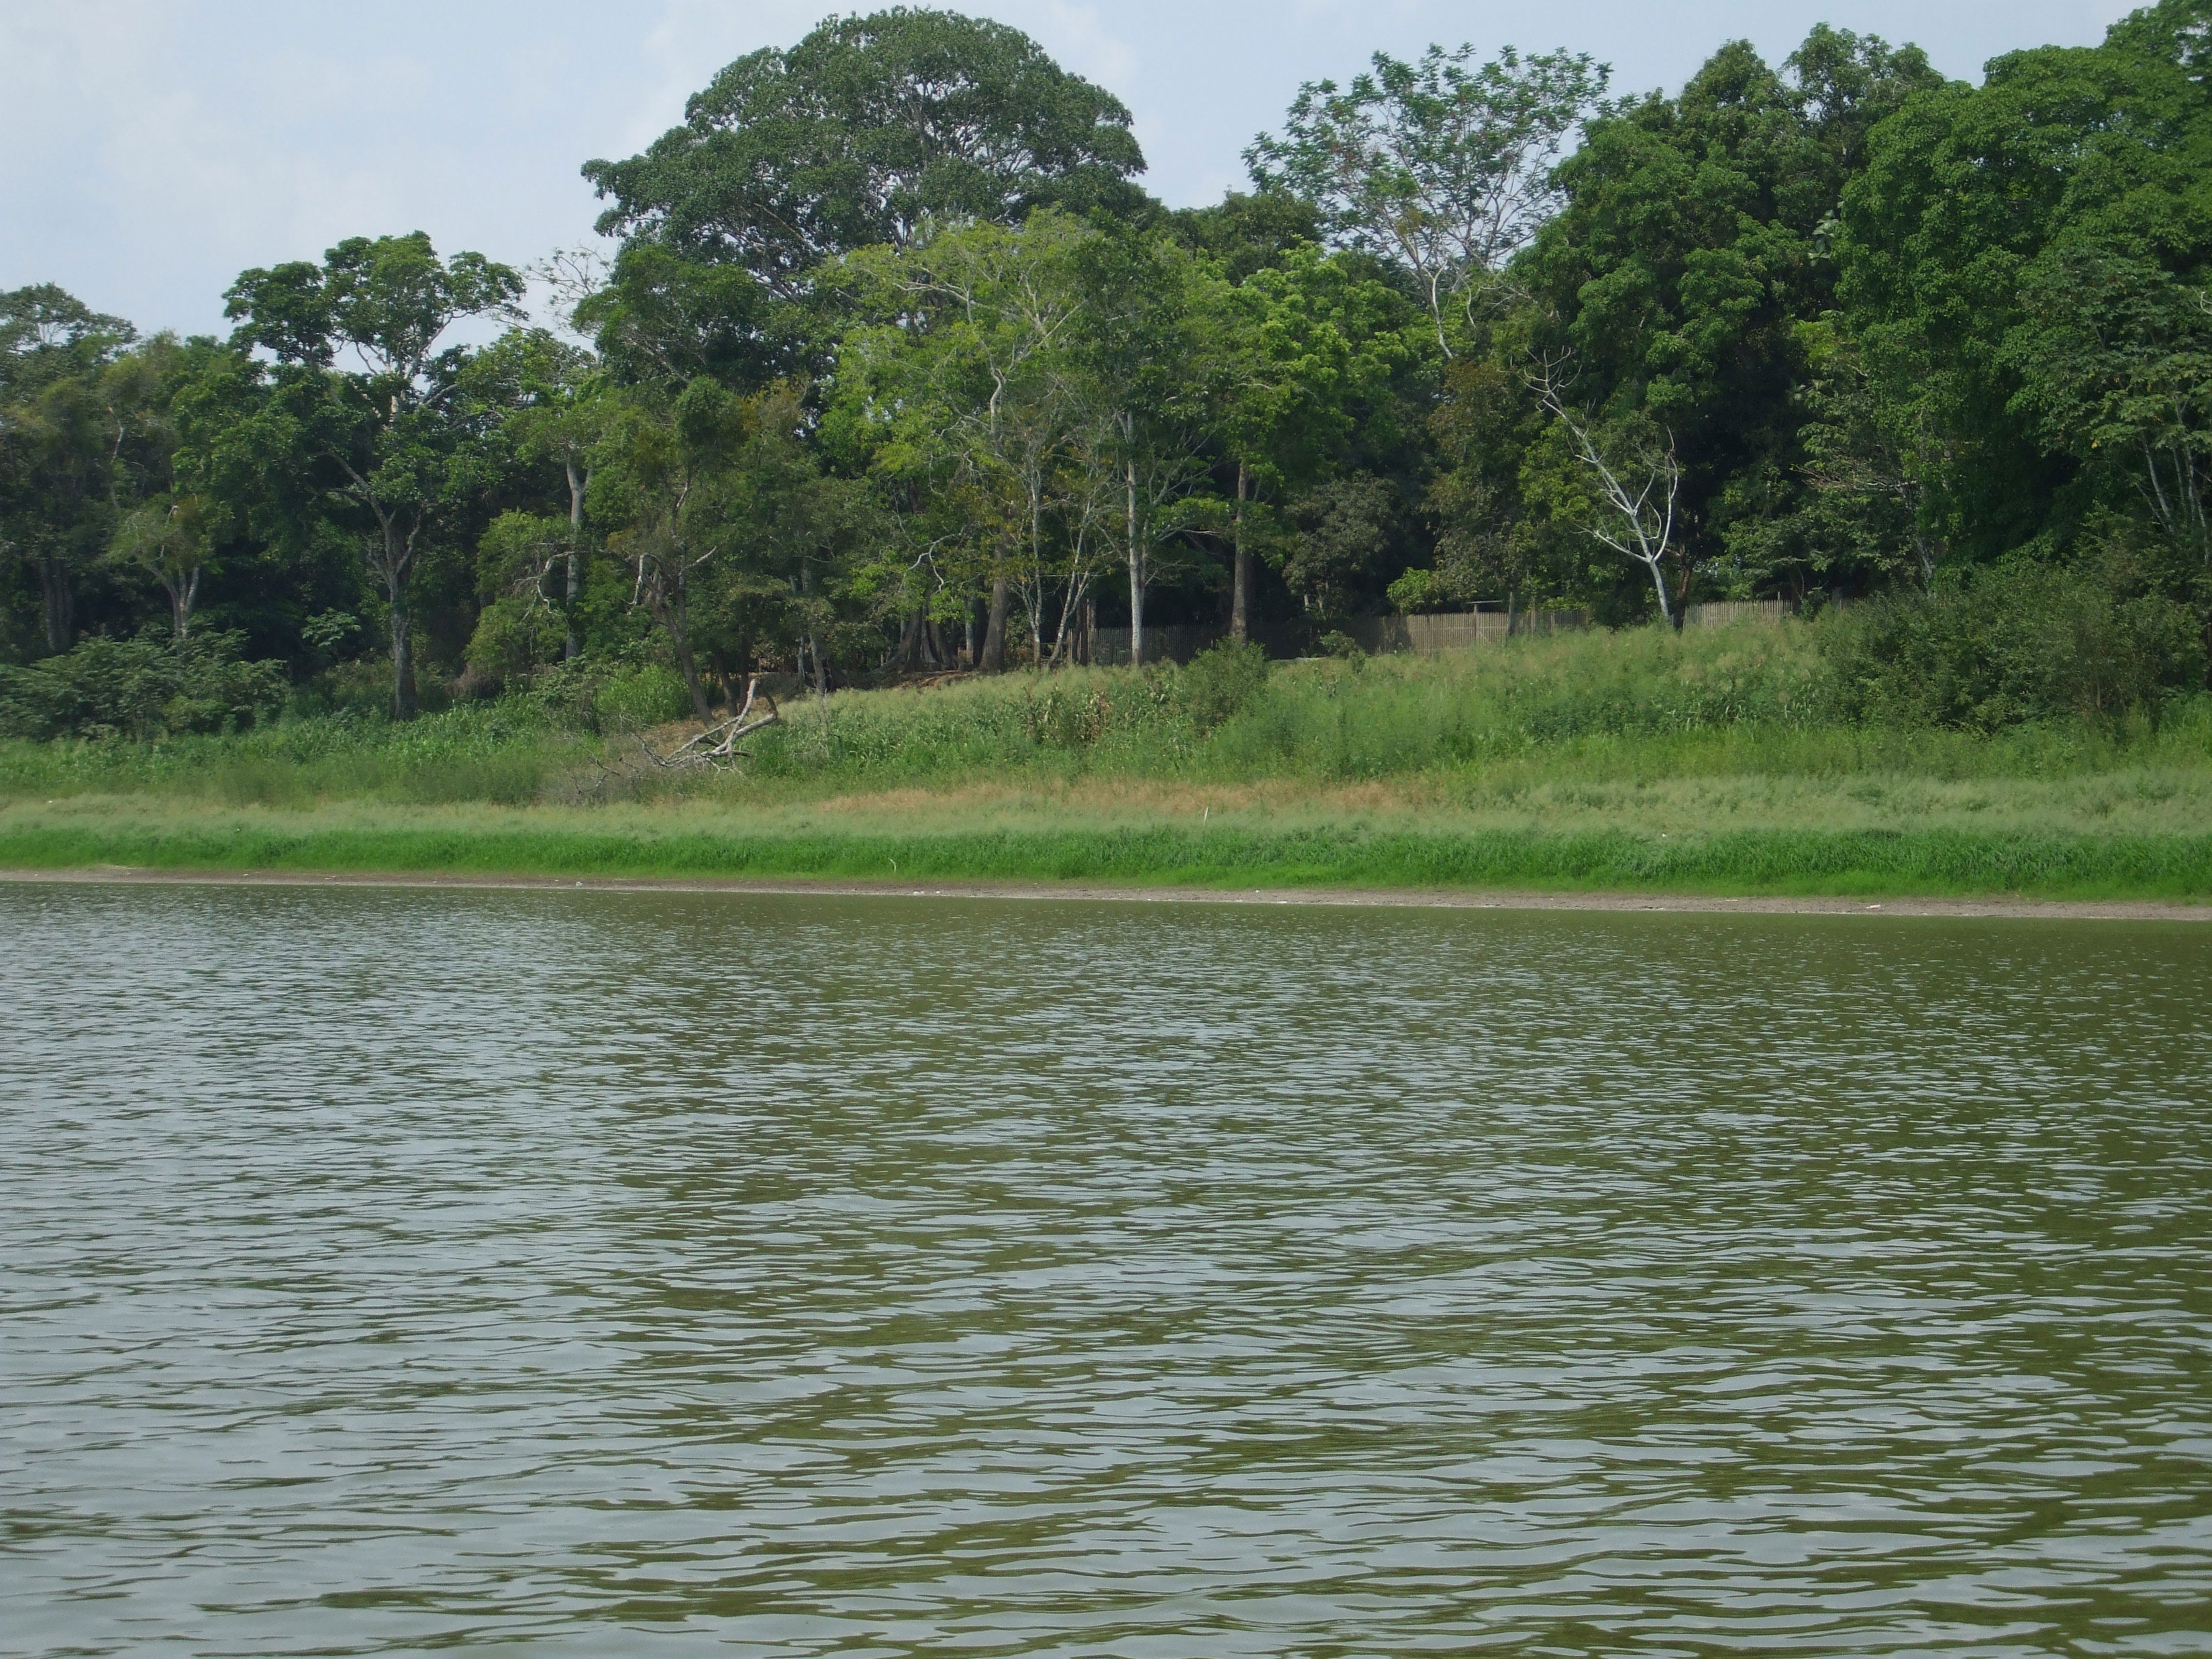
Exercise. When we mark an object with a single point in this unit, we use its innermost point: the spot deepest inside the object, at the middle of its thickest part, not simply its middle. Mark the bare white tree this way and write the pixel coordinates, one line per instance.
(1638, 478)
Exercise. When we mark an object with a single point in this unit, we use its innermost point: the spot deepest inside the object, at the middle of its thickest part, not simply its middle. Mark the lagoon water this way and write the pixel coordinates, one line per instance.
(606, 1273)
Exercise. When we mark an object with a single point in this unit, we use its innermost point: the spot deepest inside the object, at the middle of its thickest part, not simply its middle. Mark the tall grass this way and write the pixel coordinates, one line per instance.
(1746, 701)
(505, 752)
(1643, 701)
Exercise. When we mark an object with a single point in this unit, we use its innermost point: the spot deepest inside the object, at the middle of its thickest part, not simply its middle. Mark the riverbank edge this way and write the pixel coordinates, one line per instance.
(2021, 910)
(2003, 872)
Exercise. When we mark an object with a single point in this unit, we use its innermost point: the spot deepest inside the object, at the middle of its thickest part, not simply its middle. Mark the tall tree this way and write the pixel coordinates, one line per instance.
(967, 373)
(1668, 304)
(558, 409)
(1443, 167)
(1150, 339)
(868, 129)
(2019, 264)
(58, 440)
(1311, 345)
(365, 393)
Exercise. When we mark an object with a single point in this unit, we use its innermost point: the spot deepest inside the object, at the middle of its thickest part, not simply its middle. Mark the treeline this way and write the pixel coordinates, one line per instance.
(895, 368)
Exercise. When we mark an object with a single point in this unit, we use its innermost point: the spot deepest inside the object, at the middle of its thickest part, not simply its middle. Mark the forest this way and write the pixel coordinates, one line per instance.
(891, 369)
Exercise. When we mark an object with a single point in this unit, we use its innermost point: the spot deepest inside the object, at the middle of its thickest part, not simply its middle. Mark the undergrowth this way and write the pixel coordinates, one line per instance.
(1639, 704)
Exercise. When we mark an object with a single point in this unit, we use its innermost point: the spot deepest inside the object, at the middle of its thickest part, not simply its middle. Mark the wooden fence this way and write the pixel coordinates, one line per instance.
(1722, 612)
(1424, 636)
(1455, 631)
(1178, 642)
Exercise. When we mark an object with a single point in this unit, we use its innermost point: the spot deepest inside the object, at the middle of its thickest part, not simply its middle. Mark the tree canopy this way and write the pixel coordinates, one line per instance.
(893, 367)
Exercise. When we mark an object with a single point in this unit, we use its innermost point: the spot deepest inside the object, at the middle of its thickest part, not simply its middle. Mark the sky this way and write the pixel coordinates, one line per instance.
(154, 148)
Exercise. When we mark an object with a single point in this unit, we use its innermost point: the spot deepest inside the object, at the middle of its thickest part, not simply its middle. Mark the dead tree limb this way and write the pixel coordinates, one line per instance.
(717, 746)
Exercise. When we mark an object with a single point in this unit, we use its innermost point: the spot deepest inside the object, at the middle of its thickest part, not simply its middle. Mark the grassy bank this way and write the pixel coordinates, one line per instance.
(1710, 763)
(1289, 840)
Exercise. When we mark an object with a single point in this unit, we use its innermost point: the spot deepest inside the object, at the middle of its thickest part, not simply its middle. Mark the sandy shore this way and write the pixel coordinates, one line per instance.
(1380, 898)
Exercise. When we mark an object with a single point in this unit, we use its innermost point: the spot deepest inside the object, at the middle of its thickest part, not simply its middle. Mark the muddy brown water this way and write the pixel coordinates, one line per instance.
(788, 1274)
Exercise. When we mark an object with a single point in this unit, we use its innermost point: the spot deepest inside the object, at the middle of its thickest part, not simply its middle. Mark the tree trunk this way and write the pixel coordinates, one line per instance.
(396, 565)
(184, 590)
(1136, 576)
(403, 653)
(903, 653)
(681, 636)
(814, 655)
(993, 659)
(1659, 586)
(58, 599)
(1240, 580)
(571, 647)
(1512, 607)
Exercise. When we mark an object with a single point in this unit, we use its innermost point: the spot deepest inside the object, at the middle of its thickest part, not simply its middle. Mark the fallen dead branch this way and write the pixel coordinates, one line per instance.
(717, 746)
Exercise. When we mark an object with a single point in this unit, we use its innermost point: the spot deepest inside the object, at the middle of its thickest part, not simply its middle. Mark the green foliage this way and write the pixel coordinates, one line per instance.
(640, 697)
(866, 130)
(1442, 167)
(1670, 295)
(893, 345)
(2015, 259)
(142, 688)
(1221, 682)
(1421, 593)
(1343, 527)
(398, 446)
(2013, 643)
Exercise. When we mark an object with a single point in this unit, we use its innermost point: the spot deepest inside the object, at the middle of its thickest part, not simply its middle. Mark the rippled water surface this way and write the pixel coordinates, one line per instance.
(604, 1274)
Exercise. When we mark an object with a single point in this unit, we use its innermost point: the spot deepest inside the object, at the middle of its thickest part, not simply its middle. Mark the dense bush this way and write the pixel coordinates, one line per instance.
(1220, 682)
(2011, 644)
(144, 688)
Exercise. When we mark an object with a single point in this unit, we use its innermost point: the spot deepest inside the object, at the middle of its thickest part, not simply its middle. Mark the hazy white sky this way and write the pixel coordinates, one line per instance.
(153, 148)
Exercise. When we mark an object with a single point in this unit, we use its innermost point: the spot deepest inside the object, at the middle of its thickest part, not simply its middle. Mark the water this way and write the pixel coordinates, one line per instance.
(615, 1273)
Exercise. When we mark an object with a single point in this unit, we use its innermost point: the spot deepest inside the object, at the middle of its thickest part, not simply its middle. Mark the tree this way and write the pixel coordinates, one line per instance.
(1442, 167)
(399, 440)
(2015, 266)
(1668, 303)
(797, 546)
(968, 379)
(1148, 342)
(865, 131)
(660, 462)
(166, 537)
(1632, 486)
(1310, 345)
(1344, 525)
(557, 411)
(1487, 541)
(2114, 358)
(58, 439)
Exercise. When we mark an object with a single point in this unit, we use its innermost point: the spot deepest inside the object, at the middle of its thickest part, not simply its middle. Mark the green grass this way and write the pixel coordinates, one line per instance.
(1351, 849)
(1709, 763)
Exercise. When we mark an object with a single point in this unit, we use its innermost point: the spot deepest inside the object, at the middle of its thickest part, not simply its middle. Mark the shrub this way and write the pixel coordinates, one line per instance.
(143, 688)
(2011, 644)
(649, 695)
(1217, 685)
